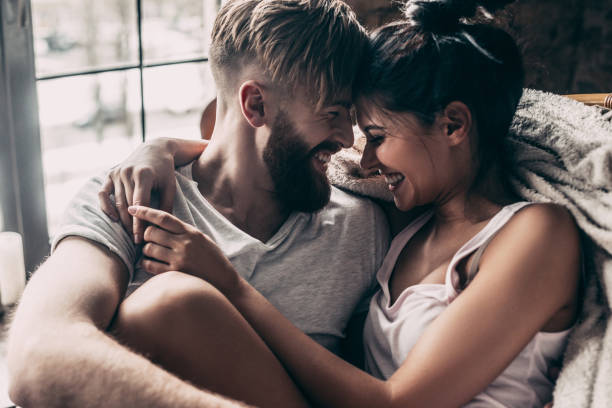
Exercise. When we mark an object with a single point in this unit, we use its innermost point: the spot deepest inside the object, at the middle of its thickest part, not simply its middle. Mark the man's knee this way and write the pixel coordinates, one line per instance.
(164, 306)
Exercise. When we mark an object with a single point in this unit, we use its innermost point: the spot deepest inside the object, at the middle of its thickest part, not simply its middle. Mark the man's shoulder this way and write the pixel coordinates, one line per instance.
(361, 212)
(342, 198)
(350, 204)
(84, 218)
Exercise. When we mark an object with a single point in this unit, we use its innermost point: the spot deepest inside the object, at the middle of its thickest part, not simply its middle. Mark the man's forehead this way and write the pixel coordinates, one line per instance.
(344, 100)
(345, 103)
(321, 102)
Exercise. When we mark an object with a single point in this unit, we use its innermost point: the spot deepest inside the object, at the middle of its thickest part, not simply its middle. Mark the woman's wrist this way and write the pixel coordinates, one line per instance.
(238, 291)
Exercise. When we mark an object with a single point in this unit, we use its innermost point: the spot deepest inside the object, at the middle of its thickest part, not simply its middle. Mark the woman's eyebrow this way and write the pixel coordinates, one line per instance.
(367, 129)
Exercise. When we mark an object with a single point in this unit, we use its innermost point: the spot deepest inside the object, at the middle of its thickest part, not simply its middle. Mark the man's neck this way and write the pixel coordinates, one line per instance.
(231, 176)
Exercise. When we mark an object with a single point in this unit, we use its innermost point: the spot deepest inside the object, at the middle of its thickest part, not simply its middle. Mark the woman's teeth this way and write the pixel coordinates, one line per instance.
(323, 157)
(394, 179)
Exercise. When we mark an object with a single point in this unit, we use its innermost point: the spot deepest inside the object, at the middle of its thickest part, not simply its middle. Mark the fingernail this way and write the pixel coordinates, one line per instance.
(136, 239)
(132, 209)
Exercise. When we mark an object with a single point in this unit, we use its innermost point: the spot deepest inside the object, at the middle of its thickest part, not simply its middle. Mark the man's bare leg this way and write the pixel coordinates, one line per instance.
(189, 328)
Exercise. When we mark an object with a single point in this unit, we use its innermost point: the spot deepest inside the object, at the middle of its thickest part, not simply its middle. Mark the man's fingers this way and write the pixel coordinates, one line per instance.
(107, 205)
(154, 267)
(128, 189)
(122, 207)
(168, 190)
(142, 196)
(160, 218)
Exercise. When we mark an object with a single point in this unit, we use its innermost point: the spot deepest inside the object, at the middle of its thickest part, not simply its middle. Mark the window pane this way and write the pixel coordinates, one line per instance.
(178, 29)
(175, 97)
(77, 35)
(88, 124)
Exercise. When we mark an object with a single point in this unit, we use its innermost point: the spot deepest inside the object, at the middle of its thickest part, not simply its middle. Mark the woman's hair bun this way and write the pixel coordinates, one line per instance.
(444, 16)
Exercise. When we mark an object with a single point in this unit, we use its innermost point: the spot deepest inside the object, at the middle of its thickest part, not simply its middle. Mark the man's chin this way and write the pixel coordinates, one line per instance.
(312, 200)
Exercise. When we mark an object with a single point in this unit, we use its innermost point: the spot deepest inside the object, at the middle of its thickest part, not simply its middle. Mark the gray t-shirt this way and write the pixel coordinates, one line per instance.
(316, 270)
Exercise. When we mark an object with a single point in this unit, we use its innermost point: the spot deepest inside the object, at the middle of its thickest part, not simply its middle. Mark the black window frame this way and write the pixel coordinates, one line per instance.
(22, 188)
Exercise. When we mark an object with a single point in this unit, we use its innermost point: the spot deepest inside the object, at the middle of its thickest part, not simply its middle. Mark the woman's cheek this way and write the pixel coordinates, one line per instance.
(405, 197)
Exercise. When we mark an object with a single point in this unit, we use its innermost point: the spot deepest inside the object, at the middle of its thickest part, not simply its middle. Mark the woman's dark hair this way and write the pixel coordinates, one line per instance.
(432, 58)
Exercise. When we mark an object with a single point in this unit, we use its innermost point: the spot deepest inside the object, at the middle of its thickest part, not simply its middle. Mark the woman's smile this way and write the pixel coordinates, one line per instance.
(394, 180)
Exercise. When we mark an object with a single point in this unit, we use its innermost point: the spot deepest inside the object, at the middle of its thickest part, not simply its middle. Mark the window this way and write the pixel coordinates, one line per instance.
(111, 75)
(82, 82)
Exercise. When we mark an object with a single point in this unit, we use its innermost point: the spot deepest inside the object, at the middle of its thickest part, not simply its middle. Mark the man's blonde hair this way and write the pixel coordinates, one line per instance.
(314, 44)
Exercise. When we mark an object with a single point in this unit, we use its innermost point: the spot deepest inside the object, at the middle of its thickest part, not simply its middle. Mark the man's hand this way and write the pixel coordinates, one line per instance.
(150, 167)
(172, 245)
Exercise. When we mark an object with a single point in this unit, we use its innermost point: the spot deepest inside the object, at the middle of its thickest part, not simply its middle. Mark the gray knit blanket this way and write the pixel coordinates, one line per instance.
(561, 152)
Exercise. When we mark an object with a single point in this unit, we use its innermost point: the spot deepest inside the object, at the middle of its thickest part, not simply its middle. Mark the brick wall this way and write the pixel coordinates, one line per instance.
(567, 44)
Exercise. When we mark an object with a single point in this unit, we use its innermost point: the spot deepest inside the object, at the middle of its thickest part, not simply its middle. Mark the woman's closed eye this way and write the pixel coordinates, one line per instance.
(375, 140)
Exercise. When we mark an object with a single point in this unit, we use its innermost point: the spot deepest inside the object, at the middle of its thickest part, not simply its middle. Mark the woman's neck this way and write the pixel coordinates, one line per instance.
(475, 203)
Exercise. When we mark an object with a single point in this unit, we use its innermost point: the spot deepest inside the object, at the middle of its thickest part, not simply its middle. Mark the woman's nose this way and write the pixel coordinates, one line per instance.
(368, 158)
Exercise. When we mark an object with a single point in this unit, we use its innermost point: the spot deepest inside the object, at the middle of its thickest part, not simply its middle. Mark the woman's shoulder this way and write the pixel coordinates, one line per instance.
(540, 238)
(552, 221)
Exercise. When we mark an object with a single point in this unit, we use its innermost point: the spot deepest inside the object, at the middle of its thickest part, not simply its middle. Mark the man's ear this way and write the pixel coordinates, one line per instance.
(252, 103)
(457, 122)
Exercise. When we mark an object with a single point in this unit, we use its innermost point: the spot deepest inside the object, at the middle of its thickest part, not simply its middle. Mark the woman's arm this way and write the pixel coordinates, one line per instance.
(150, 167)
(527, 274)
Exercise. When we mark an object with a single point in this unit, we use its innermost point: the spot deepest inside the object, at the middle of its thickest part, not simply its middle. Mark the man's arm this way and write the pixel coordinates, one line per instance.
(59, 354)
(150, 167)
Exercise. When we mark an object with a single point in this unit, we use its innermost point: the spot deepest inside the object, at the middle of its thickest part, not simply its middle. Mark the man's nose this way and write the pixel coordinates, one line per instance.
(345, 135)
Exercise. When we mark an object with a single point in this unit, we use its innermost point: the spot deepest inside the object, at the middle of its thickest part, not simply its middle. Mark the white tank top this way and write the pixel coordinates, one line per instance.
(391, 332)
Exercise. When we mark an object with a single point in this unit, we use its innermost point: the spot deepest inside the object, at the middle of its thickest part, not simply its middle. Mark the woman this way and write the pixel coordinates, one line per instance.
(477, 294)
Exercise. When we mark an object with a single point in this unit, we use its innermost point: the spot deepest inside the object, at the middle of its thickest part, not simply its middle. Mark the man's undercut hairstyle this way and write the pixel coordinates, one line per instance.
(314, 44)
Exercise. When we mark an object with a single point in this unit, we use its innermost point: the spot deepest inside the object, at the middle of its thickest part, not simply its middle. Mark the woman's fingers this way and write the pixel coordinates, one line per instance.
(157, 252)
(154, 267)
(160, 218)
(107, 205)
(158, 236)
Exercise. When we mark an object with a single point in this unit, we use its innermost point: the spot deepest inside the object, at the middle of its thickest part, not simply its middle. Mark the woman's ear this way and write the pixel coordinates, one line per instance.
(252, 103)
(457, 122)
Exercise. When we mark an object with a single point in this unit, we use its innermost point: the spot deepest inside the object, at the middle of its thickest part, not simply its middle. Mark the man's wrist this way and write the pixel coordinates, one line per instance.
(169, 145)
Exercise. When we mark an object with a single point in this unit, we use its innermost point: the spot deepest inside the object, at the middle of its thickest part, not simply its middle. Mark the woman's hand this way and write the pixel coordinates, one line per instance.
(149, 168)
(172, 245)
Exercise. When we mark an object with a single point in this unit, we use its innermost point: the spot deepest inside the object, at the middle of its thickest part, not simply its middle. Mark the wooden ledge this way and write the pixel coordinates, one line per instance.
(601, 99)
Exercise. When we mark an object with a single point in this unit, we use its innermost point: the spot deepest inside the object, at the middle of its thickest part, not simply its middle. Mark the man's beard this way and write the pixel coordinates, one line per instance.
(297, 184)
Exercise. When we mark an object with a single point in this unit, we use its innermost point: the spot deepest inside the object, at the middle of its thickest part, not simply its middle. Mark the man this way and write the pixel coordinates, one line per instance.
(284, 71)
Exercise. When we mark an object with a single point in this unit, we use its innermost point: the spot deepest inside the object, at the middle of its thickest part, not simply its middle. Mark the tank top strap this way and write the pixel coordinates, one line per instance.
(395, 248)
(477, 245)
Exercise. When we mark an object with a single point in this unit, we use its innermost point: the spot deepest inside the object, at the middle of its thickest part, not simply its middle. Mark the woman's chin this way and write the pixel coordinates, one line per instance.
(403, 204)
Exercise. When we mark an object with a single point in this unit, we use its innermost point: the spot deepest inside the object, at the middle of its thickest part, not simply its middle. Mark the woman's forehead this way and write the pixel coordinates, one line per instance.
(372, 115)
(367, 111)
